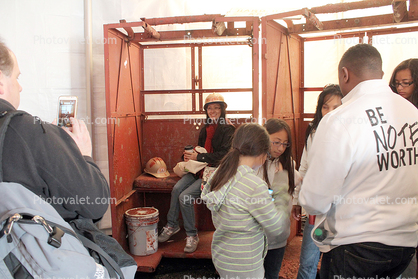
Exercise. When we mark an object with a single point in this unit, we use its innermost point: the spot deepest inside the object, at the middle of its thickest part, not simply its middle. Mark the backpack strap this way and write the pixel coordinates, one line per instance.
(109, 263)
(5, 118)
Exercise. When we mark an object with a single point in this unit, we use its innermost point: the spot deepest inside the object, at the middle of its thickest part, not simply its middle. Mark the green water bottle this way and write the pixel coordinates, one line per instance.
(320, 234)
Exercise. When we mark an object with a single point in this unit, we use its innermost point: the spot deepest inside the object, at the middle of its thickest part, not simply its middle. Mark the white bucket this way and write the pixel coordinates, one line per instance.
(142, 230)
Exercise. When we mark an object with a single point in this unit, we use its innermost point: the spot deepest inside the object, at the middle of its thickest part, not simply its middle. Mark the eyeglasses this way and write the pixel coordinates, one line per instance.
(278, 144)
(403, 84)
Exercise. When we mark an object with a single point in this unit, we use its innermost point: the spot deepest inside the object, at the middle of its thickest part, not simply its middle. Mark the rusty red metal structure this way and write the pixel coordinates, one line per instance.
(136, 135)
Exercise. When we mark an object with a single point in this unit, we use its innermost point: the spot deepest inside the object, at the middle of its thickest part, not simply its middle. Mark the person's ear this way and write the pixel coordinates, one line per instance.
(1, 83)
(345, 74)
(383, 73)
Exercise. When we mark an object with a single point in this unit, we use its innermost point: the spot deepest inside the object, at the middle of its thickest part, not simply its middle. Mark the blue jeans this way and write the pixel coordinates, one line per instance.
(273, 263)
(309, 255)
(183, 195)
(366, 259)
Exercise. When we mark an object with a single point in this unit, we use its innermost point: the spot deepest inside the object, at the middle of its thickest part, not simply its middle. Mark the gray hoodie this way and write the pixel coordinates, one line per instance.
(244, 216)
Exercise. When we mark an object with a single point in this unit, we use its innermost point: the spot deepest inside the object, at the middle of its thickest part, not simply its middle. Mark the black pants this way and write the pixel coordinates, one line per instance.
(365, 260)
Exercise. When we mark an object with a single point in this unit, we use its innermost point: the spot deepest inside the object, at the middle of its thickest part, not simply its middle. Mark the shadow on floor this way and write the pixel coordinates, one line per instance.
(175, 268)
(170, 268)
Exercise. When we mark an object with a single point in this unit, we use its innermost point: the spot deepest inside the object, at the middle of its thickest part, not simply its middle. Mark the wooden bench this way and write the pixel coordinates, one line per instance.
(157, 193)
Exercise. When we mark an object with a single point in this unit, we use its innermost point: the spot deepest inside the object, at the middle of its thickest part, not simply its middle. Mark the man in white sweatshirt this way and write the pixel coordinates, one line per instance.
(362, 181)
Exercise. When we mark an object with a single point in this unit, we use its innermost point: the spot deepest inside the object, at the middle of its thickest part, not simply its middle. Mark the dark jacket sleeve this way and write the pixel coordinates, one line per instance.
(221, 143)
(46, 160)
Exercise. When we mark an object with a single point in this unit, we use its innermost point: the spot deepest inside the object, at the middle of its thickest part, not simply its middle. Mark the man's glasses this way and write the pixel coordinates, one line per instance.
(278, 144)
(403, 84)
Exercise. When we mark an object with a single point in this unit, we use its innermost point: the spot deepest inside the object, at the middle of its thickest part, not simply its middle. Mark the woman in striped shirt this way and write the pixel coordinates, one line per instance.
(243, 212)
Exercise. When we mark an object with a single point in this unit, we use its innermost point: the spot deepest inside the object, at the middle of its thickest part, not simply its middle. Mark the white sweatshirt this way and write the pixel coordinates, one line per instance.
(363, 175)
(302, 169)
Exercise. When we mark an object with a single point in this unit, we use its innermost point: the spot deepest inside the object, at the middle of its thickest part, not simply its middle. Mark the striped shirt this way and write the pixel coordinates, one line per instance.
(244, 215)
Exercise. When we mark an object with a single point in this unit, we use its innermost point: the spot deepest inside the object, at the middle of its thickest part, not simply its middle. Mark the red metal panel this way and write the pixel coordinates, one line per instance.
(114, 62)
(135, 63)
(294, 43)
(126, 163)
(124, 99)
(273, 55)
(166, 139)
(135, 58)
(256, 68)
(281, 79)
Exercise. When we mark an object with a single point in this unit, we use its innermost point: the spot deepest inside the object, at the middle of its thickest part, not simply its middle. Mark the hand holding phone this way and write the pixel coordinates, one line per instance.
(67, 108)
(81, 136)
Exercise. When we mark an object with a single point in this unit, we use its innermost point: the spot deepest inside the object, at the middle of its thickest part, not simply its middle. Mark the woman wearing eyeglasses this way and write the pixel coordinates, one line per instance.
(278, 171)
(328, 100)
(404, 80)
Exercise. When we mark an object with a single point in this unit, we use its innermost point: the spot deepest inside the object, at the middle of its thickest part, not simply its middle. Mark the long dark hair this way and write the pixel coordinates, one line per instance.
(328, 92)
(412, 65)
(272, 126)
(249, 140)
(221, 120)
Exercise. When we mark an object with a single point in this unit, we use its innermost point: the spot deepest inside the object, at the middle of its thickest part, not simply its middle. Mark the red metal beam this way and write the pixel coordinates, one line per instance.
(393, 31)
(180, 19)
(180, 91)
(349, 23)
(336, 36)
(243, 42)
(334, 8)
(285, 14)
(342, 7)
(190, 36)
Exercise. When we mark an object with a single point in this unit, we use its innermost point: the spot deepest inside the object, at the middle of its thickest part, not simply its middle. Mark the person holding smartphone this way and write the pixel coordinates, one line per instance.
(54, 163)
(279, 172)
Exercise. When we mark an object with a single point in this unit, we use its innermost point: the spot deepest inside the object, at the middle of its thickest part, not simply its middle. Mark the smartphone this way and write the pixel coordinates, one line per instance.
(271, 194)
(67, 107)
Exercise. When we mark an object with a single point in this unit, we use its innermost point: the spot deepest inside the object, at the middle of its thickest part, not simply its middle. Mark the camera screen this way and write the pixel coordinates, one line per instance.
(66, 110)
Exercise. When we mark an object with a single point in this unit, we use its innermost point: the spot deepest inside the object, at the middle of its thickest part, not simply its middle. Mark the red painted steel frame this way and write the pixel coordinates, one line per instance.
(132, 139)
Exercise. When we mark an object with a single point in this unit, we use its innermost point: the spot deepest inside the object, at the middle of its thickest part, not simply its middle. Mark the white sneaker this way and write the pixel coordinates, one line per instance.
(191, 244)
(167, 232)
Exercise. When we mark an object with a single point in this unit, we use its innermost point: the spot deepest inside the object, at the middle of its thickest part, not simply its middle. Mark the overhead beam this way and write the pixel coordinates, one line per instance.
(191, 36)
(334, 8)
(343, 7)
(349, 23)
(180, 19)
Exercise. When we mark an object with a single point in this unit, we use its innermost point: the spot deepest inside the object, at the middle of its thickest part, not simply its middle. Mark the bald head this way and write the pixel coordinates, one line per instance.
(359, 63)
